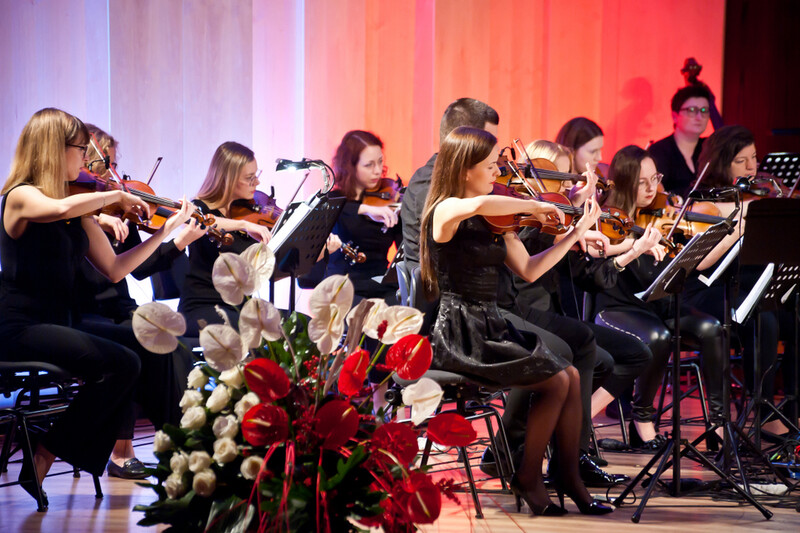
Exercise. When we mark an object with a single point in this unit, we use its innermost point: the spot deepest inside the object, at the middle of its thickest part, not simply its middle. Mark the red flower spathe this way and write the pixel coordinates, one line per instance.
(354, 372)
(451, 429)
(424, 499)
(267, 379)
(397, 439)
(336, 422)
(411, 356)
(264, 424)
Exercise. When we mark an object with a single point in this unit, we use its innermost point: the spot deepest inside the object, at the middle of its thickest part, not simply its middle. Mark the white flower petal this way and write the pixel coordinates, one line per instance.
(261, 258)
(156, 327)
(423, 397)
(373, 318)
(233, 277)
(326, 328)
(222, 346)
(401, 321)
(258, 319)
(336, 290)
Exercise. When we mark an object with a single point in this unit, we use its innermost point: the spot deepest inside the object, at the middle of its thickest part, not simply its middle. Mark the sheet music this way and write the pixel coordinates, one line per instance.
(288, 227)
(741, 314)
(723, 266)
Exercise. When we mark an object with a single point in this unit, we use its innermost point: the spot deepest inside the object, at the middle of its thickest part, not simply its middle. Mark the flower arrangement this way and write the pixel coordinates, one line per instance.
(273, 436)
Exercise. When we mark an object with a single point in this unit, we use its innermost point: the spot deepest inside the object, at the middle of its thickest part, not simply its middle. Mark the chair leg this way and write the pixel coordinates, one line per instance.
(98, 490)
(622, 425)
(27, 450)
(5, 455)
(471, 481)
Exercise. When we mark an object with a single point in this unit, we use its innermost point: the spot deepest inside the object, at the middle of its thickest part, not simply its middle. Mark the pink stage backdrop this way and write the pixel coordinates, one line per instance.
(175, 78)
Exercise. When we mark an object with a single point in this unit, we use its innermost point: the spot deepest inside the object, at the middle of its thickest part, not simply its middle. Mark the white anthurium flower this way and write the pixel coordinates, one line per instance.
(373, 318)
(258, 319)
(233, 278)
(329, 303)
(222, 346)
(157, 327)
(423, 397)
(261, 258)
(400, 321)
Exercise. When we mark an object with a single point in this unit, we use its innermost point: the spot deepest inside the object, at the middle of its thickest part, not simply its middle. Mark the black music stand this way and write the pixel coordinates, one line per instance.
(784, 166)
(671, 283)
(765, 245)
(299, 237)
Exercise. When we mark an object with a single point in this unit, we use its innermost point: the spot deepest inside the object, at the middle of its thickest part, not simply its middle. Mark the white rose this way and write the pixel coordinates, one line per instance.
(179, 463)
(197, 378)
(190, 399)
(204, 482)
(219, 399)
(194, 418)
(233, 377)
(242, 406)
(162, 442)
(225, 426)
(225, 450)
(251, 466)
(174, 486)
(199, 461)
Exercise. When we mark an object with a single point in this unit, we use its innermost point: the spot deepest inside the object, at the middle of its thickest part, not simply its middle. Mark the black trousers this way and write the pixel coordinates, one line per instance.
(572, 340)
(631, 357)
(161, 382)
(652, 330)
(85, 433)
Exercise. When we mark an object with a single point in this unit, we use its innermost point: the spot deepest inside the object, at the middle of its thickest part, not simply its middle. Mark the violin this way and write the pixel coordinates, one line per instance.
(504, 223)
(698, 219)
(161, 208)
(352, 253)
(548, 173)
(262, 209)
(388, 193)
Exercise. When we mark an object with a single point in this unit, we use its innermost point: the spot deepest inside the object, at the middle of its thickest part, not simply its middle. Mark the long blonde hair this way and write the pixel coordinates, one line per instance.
(461, 150)
(40, 157)
(226, 165)
(543, 149)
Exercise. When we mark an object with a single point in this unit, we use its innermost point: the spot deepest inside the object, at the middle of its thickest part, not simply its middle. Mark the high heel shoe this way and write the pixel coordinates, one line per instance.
(595, 507)
(637, 443)
(27, 480)
(550, 509)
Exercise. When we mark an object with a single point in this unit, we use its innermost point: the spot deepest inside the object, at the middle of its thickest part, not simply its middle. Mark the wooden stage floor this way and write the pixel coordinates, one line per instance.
(73, 507)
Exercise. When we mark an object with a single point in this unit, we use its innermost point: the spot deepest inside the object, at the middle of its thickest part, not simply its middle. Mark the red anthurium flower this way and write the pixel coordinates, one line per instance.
(410, 356)
(336, 422)
(264, 424)
(398, 439)
(451, 429)
(354, 372)
(267, 379)
(425, 501)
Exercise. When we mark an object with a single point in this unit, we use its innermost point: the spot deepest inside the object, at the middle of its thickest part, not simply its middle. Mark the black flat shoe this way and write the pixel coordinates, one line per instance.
(550, 509)
(593, 476)
(27, 480)
(637, 443)
(132, 469)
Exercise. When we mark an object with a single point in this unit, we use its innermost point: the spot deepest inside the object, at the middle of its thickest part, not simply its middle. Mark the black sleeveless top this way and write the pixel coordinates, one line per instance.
(470, 337)
(39, 272)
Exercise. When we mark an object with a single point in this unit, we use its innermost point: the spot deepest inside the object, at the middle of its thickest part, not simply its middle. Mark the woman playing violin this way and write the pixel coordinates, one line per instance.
(44, 236)
(105, 309)
(359, 167)
(585, 138)
(461, 259)
(636, 179)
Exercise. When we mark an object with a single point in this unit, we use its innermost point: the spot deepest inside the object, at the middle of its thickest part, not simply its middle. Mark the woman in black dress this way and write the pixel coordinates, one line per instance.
(44, 236)
(461, 258)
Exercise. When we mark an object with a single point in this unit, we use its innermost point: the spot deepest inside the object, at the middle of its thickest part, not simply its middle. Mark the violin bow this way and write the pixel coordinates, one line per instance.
(686, 202)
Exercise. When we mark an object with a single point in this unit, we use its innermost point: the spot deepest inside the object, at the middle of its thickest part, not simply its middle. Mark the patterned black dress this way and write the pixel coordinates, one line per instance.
(469, 336)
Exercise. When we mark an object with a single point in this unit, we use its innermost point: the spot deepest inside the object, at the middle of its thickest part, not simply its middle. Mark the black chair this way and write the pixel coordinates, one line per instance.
(472, 401)
(167, 284)
(33, 408)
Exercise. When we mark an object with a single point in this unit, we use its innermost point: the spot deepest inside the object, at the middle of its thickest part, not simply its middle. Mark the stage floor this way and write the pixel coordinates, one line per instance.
(73, 507)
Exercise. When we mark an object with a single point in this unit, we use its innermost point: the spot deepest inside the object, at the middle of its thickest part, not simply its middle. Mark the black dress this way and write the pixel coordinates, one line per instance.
(38, 280)
(469, 336)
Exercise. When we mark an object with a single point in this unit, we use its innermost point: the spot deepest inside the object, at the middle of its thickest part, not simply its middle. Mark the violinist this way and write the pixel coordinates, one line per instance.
(232, 175)
(44, 235)
(461, 259)
(105, 310)
(676, 156)
(731, 154)
(359, 168)
(636, 179)
(585, 138)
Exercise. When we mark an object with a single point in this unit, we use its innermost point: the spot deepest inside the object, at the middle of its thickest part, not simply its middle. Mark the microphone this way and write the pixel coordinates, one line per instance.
(720, 193)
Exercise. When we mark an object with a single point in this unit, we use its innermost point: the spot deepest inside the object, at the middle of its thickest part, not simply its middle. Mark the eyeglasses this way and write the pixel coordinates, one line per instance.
(653, 180)
(79, 147)
(694, 110)
(253, 179)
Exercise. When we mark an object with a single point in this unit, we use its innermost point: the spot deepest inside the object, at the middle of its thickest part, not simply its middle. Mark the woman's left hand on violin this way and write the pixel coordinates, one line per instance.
(385, 214)
(192, 231)
(181, 216)
(114, 226)
(582, 191)
(591, 213)
(257, 231)
(333, 243)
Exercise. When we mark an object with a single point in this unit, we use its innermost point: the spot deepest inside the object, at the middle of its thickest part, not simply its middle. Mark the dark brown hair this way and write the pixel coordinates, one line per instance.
(462, 149)
(624, 172)
(690, 91)
(346, 159)
(577, 132)
(466, 112)
(719, 151)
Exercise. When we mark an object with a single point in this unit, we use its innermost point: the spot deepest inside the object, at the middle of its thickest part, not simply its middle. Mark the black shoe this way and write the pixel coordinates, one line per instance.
(637, 443)
(594, 507)
(488, 464)
(593, 476)
(132, 469)
(550, 509)
(594, 456)
(27, 480)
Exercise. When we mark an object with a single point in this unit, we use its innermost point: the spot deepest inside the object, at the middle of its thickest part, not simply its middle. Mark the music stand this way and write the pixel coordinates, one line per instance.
(671, 283)
(299, 237)
(764, 246)
(783, 165)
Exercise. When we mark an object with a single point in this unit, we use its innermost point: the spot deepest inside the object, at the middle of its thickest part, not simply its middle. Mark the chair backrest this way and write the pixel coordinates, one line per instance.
(418, 300)
(404, 282)
(588, 307)
(167, 284)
